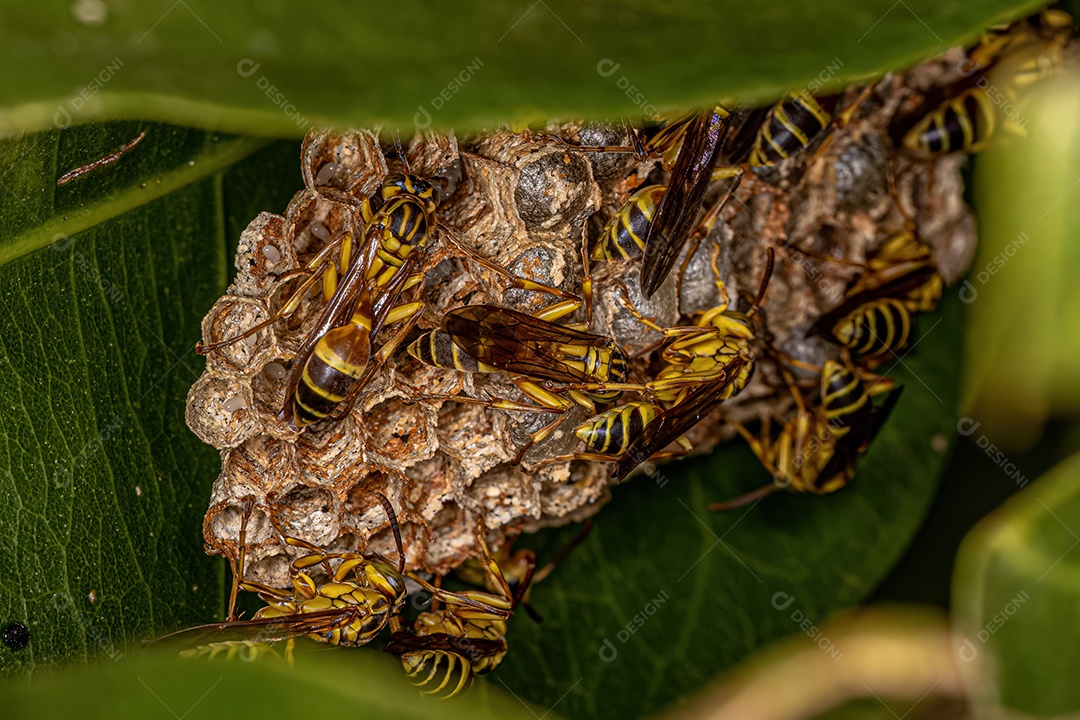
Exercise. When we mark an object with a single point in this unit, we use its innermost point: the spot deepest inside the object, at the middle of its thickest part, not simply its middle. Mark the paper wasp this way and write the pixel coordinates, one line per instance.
(689, 147)
(468, 635)
(816, 451)
(789, 128)
(488, 338)
(362, 592)
(967, 120)
(657, 221)
(706, 363)
(362, 288)
(899, 279)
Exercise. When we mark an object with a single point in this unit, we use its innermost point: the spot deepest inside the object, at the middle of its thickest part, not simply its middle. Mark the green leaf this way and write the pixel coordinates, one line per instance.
(279, 68)
(663, 596)
(1016, 600)
(103, 282)
(1021, 361)
(332, 683)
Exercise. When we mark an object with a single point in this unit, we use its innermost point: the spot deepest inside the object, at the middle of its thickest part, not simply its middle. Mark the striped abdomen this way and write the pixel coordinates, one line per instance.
(333, 368)
(875, 328)
(612, 432)
(624, 235)
(438, 349)
(401, 226)
(964, 123)
(843, 397)
(790, 127)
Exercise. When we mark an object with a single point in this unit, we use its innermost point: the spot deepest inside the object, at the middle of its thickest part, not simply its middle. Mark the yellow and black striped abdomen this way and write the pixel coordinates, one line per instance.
(337, 362)
(875, 328)
(843, 397)
(436, 348)
(624, 235)
(790, 127)
(612, 432)
(963, 123)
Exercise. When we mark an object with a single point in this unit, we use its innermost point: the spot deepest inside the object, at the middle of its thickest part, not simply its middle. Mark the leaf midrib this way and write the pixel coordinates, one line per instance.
(224, 154)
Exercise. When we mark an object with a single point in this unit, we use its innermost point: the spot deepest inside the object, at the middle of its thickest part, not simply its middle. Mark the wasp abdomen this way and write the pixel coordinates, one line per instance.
(875, 328)
(339, 359)
(624, 235)
(790, 127)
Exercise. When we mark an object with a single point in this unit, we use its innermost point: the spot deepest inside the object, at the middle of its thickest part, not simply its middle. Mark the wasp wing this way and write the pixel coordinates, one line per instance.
(518, 343)
(678, 209)
(675, 421)
(264, 629)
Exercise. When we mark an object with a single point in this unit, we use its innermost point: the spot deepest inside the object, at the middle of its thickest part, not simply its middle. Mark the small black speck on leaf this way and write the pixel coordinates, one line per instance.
(15, 636)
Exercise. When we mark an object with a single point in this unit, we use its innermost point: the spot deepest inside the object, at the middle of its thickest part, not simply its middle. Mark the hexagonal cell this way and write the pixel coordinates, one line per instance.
(268, 386)
(343, 166)
(309, 514)
(261, 254)
(554, 267)
(555, 187)
(612, 318)
(225, 520)
(312, 221)
(327, 452)
(397, 433)
(230, 318)
(220, 412)
(607, 168)
(264, 462)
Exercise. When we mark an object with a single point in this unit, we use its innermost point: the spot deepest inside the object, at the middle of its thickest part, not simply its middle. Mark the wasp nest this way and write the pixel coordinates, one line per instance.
(526, 203)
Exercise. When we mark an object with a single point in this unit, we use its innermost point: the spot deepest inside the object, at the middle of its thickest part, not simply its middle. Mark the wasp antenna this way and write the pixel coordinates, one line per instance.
(746, 499)
(766, 276)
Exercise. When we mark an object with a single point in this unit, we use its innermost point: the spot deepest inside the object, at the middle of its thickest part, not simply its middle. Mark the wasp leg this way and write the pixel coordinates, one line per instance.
(762, 448)
(237, 565)
(746, 499)
(515, 281)
(600, 457)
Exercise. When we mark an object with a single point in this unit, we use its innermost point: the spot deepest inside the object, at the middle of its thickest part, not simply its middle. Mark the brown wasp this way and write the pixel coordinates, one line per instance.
(666, 215)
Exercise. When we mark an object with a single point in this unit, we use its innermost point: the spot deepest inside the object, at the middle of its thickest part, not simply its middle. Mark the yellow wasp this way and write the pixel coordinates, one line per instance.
(816, 451)
(707, 363)
(468, 636)
(663, 218)
(997, 71)
(875, 316)
(488, 338)
(361, 594)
